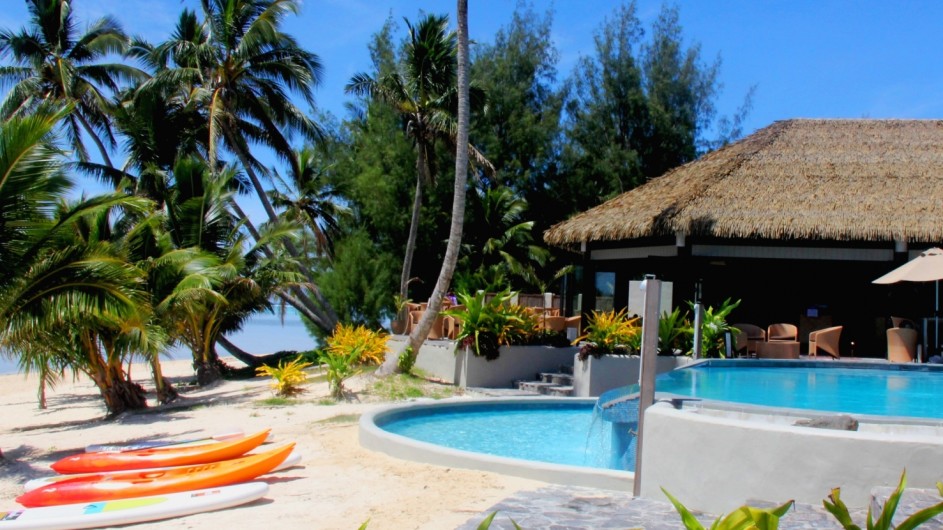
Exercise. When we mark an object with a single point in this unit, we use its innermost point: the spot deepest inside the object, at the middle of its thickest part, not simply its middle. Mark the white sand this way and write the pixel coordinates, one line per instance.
(337, 485)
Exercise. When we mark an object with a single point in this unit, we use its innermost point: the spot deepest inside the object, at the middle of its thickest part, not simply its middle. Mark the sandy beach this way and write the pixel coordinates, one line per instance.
(338, 485)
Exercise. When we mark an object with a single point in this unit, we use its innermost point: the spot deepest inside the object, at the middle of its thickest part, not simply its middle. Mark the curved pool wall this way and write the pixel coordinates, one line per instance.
(716, 459)
(374, 437)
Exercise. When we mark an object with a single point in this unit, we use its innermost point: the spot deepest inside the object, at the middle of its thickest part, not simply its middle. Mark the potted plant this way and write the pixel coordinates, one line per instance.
(398, 324)
(609, 332)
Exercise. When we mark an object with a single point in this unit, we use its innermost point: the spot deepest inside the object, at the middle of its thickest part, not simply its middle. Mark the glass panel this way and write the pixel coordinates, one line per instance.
(605, 290)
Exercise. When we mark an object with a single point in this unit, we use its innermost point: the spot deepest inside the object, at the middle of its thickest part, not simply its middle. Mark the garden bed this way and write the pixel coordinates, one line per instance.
(594, 376)
(439, 360)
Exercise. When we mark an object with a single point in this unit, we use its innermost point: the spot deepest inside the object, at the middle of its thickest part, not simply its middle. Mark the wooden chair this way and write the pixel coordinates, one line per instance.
(825, 340)
(782, 331)
(901, 345)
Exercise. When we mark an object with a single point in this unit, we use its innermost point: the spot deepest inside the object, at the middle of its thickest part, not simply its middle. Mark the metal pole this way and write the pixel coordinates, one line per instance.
(652, 289)
(698, 320)
(698, 331)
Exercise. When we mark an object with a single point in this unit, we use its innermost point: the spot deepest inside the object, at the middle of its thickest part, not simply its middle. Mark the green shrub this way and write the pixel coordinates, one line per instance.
(340, 367)
(714, 329)
(673, 328)
(286, 377)
(487, 324)
(406, 360)
(371, 345)
(609, 332)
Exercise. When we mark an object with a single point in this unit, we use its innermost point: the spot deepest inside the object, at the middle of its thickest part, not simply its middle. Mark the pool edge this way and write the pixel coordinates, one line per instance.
(374, 438)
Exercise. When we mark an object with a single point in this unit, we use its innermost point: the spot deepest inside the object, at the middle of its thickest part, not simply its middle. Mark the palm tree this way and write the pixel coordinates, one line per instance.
(423, 92)
(79, 298)
(310, 201)
(503, 241)
(54, 65)
(242, 69)
(206, 280)
(418, 336)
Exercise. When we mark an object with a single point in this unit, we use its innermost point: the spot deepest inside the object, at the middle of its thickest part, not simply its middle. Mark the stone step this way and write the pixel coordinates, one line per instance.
(560, 391)
(535, 386)
(556, 378)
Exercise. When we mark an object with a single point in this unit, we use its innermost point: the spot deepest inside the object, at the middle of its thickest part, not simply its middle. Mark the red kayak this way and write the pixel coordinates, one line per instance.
(114, 486)
(159, 456)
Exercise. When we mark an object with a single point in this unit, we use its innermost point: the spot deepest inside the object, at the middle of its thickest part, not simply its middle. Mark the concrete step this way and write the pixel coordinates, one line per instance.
(560, 391)
(556, 378)
(535, 386)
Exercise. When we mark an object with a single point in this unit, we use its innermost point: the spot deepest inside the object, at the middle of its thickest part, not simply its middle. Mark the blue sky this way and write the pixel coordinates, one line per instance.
(825, 58)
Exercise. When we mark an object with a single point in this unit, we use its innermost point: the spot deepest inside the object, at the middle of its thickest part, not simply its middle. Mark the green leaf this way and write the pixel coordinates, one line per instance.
(885, 520)
(690, 522)
(838, 509)
(486, 523)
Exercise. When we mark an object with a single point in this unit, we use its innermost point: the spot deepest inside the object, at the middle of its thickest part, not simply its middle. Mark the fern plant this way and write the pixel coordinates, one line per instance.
(286, 377)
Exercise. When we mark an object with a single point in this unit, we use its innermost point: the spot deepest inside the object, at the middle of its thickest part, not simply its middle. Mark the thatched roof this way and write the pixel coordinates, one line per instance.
(876, 180)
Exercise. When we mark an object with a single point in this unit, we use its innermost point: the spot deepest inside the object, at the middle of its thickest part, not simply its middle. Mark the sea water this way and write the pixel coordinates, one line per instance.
(262, 334)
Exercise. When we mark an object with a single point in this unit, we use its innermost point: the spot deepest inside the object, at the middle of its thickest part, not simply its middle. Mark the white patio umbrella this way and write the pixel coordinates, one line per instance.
(927, 267)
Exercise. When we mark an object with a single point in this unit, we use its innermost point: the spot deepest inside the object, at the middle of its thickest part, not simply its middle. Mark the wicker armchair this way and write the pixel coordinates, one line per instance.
(825, 340)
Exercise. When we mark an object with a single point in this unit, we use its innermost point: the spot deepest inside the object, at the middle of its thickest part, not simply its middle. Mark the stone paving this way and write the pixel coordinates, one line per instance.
(557, 507)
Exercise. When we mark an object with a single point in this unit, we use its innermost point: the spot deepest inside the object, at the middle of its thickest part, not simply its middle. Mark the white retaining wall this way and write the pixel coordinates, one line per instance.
(594, 376)
(438, 358)
(717, 463)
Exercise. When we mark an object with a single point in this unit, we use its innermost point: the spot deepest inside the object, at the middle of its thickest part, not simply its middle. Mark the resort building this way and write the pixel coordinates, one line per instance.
(796, 220)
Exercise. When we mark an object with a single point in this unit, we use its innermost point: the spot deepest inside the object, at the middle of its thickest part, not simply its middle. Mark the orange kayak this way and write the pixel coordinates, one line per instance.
(159, 456)
(114, 486)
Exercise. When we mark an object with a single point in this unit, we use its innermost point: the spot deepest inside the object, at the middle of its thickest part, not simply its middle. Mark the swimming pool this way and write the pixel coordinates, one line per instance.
(912, 391)
(559, 433)
(568, 433)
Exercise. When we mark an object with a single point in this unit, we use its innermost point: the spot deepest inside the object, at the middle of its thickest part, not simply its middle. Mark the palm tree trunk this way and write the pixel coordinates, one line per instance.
(418, 336)
(165, 391)
(253, 361)
(101, 147)
(326, 320)
(413, 227)
(328, 316)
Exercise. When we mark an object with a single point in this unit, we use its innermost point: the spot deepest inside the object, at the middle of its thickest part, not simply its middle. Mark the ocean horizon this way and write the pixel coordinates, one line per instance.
(263, 334)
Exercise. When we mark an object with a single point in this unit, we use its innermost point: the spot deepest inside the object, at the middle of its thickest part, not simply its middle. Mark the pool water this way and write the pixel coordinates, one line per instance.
(575, 434)
(544, 432)
(881, 391)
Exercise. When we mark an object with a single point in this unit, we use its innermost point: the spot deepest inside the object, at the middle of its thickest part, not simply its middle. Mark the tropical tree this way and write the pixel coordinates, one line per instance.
(53, 64)
(241, 70)
(206, 278)
(500, 246)
(424, 94)
(308, 199)
(78, 297)
(520, 129)
(418, 335)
